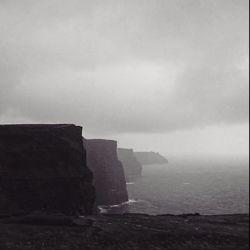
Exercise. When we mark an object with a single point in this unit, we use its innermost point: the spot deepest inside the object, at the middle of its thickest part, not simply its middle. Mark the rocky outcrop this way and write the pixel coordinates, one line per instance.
(109, 178)
(148, 158)
(43, 168)
(132, 167)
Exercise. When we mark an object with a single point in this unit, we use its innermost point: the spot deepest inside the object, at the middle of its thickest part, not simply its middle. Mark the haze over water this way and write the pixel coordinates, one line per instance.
(187, 185)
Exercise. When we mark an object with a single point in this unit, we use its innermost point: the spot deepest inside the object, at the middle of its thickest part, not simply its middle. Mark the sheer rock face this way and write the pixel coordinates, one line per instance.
(43, 168)
(132, 167)
(109, 177)
(149, 158)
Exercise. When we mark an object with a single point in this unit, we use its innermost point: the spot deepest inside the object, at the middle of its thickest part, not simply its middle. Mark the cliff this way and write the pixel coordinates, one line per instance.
(109, 178)
(43, 168)
(132, 167)
(148, 158)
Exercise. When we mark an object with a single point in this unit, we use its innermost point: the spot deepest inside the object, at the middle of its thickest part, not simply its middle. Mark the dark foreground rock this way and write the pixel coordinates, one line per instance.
(132, 167)
(43, 168)
(109, 177)
(130, 232)
(149, 158)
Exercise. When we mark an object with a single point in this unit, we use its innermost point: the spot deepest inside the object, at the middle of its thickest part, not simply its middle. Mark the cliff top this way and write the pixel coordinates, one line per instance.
(22, 130)
(126, 149)
(36, 125)
(130, 231)
(101, 141)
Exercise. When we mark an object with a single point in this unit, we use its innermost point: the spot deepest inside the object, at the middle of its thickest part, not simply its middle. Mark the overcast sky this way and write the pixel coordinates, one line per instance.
(166, 75)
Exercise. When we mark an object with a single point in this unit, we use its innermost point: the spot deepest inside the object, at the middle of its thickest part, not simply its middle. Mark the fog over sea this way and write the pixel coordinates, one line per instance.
(207, 185)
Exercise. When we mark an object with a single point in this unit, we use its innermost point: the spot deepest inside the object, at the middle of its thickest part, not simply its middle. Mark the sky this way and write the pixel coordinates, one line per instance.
(163, 75)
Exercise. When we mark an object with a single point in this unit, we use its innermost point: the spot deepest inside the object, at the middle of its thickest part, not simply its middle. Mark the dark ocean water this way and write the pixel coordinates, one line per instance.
(206, 186)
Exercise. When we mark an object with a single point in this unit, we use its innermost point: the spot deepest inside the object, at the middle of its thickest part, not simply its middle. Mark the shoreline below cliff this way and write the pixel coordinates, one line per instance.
(182, 186)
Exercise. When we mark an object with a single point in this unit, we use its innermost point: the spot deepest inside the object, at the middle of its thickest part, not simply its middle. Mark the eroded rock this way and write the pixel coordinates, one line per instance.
(109, 177)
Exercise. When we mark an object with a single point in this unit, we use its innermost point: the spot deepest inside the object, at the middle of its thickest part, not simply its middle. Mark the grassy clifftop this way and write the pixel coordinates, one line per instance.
(130, 232)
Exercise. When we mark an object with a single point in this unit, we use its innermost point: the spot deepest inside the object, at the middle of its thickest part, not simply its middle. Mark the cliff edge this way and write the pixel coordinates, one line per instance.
(109, 178)
(132, 167)
(43, 168)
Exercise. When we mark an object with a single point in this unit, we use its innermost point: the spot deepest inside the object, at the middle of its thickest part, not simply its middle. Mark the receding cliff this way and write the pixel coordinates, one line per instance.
(148, 158)
(132, 167)
(109, 178)
(43, 168)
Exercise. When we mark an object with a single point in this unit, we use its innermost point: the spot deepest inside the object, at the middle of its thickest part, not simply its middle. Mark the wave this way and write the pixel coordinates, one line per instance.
(130, 201)
(103, 210)
(107, 209)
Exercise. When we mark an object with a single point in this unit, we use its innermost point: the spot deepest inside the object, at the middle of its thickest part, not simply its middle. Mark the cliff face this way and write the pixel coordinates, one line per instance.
(43, 167)
(109, 178)
(148, 158)
(133, 168)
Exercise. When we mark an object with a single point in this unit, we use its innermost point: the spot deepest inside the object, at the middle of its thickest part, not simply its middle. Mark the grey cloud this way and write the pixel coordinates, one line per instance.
(124, 66)
(215, 95)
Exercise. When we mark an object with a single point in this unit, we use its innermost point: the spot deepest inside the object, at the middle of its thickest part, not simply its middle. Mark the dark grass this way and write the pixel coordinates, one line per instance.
(132, 232)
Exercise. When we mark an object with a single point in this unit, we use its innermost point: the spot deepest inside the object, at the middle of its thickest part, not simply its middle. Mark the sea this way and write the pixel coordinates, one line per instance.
(205, 185)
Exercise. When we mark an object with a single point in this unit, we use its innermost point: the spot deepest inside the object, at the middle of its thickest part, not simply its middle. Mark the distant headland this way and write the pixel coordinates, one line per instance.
(148, 158)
